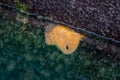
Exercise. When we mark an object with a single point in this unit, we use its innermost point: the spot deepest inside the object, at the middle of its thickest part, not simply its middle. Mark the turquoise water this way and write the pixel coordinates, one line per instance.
(24, 55)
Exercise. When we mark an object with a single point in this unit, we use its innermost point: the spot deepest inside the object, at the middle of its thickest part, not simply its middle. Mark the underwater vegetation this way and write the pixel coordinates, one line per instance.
(24, 55)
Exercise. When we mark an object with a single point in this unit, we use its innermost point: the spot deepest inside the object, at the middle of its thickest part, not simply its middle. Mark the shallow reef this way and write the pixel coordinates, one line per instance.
(24, 55)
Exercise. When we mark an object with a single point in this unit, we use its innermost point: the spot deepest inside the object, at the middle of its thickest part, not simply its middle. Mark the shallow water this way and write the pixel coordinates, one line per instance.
(24, 55)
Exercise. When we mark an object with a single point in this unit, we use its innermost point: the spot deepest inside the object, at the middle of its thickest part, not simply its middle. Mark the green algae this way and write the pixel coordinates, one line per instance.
(20, 5)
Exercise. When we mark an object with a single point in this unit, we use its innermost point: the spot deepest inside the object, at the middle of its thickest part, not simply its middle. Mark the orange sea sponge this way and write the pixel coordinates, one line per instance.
(64, 38)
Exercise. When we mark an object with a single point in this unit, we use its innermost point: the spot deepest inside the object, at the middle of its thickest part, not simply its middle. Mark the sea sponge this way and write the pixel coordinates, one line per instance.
(64, 38)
